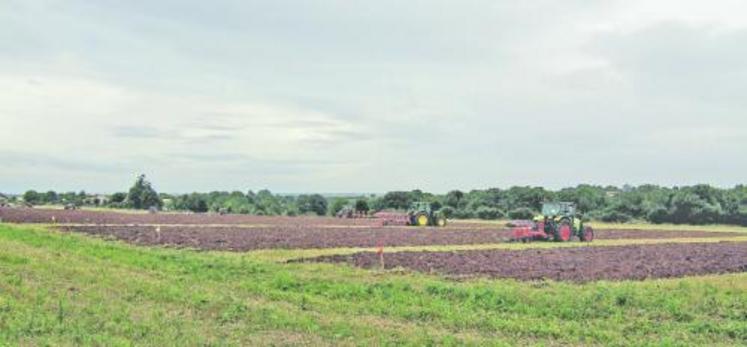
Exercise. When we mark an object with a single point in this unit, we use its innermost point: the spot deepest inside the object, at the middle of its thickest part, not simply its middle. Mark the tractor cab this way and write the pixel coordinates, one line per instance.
(559, 220)
(559, 209)
(560, 213)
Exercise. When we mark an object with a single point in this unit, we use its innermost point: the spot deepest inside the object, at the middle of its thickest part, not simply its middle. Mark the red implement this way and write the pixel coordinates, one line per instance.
(528, 231)
(392, 218)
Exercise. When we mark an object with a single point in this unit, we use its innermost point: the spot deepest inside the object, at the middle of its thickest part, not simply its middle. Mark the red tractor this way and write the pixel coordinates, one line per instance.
(558, 222)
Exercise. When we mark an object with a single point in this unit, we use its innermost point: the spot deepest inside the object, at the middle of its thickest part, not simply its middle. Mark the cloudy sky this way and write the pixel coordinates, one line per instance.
(370, 96)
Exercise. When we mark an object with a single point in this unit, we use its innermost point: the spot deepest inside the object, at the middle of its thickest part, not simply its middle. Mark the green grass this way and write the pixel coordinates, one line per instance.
(62, 289)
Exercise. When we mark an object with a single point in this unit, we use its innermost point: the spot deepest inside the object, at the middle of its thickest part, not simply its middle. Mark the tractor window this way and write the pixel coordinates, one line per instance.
(550, 210)
(558, 209)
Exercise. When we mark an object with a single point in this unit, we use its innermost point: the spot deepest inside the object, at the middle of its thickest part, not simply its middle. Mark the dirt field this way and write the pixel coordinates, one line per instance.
(33, 215)
(580, 264)
(233, 238)
(247, 233)
(284, 237)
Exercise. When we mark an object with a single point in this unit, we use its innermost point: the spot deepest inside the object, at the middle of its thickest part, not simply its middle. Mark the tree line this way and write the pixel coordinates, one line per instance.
(698, 204)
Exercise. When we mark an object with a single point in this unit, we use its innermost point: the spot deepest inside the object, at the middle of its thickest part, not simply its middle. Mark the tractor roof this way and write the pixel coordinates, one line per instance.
(560, 208)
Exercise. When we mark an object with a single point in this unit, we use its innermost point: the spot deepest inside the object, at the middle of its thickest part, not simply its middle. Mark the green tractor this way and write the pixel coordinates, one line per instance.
(421, 214)
(558, 222)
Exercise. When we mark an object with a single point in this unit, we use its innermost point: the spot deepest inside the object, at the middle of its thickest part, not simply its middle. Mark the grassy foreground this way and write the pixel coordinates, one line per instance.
(60, 289)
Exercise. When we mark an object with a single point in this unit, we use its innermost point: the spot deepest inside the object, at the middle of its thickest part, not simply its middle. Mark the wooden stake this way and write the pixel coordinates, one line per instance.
(380, 251)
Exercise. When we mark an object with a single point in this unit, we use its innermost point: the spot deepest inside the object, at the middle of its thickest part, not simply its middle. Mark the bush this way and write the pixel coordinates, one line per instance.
(613, 216)
(118, 198)
(739, 217)
(314, 203)
(337, 205)
(447, 211)
(361, 205)
(521, 213)
(658, 215)
(484, 212)
(118, 205)
(463, 214)
(32, 197)
(397, 200)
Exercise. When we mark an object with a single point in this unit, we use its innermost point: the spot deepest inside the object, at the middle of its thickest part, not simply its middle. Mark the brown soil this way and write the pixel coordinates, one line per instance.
(284, 236)
(34, 215)
(659, 234)
(578, 264)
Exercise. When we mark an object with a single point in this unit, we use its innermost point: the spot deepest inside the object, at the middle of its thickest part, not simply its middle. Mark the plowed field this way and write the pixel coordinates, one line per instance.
(234, 238)
(579, 264)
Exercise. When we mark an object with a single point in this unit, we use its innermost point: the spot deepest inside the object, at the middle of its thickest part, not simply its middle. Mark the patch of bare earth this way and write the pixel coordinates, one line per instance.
(235, 238)
(578, 264)
(307, 237)
(35, 215)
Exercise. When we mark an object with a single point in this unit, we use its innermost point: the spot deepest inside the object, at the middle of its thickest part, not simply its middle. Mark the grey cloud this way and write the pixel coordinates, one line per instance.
(242, 158)
(176, 134)
(211, 157)
(205, 139)
(139, 132)
(41, 161)
(677, 60)
(492, 92)
(232, 163)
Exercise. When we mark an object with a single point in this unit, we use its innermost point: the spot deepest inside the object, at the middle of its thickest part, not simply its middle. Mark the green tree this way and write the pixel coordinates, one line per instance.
(398, 200)
(484, 212)
(197, 203)
(69, 198)
(118, 198)
(268, 204)
(454, 198)
(312, 203)
(361, 205)
(32, 197)
(194, 202)
(51, 197)
(521, 213)
(337, 205)
(142, 195)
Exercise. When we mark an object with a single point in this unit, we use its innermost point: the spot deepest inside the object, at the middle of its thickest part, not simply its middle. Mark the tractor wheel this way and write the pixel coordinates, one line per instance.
(421, 219)
(587, 235)
(564, 232)
(441, 221)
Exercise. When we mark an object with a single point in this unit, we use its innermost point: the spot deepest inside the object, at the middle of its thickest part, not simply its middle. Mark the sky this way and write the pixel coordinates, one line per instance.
(371, 96)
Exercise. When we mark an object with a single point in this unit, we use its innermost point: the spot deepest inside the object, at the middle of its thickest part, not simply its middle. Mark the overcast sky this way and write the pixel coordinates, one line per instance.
(370, 96)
